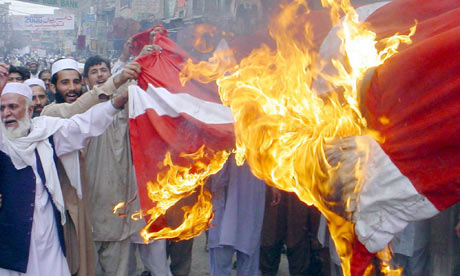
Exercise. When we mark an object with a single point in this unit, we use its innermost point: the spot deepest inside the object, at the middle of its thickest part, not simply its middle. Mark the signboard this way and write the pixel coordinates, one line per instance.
(66, 4)
(43, 22)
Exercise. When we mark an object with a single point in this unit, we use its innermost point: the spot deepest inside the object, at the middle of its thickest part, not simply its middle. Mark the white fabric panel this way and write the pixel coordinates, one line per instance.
(166, 103)
(387, 202)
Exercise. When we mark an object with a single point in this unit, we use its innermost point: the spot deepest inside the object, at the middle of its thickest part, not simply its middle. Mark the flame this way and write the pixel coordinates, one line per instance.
(283, 126)
(118, 207)
(204, 33)
(385, 256)
(177, 181)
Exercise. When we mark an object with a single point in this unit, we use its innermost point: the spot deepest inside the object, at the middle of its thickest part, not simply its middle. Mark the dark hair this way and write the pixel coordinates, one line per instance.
(21, 71)
(43, 72)
(94, 60)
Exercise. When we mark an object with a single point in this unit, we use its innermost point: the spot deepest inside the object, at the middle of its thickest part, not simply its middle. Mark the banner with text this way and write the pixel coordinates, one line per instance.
(43, 22)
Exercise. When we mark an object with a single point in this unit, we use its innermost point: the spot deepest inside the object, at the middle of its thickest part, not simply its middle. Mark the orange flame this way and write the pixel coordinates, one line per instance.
(118, 207)
(204, 33)
(283, 127)
(175, 182)
(385, 267)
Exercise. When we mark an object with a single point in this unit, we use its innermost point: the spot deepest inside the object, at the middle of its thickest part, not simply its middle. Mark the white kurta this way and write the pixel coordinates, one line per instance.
(46, 257)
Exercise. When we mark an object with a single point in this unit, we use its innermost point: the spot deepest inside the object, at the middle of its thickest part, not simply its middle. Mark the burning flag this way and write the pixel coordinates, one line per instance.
(321, 90)
(179, 136)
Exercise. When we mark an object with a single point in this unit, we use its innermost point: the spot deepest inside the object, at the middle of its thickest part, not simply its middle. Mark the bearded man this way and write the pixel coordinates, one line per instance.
(33, 67)
(66, 80)
(45, 76)
(39, 97)
(32, 213)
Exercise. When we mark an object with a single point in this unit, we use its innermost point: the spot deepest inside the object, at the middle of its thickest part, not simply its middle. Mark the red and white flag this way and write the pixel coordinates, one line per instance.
(165, 116)
(416, 91)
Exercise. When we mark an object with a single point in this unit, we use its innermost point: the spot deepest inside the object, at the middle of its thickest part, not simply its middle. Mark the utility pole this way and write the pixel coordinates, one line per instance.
(5, 26)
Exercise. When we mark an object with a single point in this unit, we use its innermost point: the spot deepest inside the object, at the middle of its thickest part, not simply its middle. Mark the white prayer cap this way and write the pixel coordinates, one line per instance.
(35, 81)
(18, 88)
(63, 64)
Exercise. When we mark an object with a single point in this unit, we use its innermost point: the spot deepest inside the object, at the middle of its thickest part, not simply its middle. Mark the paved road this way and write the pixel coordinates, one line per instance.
(200, 260)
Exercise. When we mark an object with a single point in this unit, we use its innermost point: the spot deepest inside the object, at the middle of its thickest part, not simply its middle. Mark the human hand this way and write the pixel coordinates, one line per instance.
(4, 68)
(121, 99)
(148, 49)
(154, 32)
(130, 72)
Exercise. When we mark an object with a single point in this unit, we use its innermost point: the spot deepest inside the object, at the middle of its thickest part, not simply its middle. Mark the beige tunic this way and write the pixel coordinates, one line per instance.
(77, 230)
(111, 179)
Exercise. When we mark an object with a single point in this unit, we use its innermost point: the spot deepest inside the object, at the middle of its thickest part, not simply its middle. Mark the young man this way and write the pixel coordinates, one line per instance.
(96, 71)
(39, 97)
(32, 213)
(66, 81)
(111, 234)
(18, 74)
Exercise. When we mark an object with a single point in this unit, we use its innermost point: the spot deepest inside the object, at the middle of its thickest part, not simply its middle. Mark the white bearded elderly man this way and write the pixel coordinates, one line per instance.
(32, 210)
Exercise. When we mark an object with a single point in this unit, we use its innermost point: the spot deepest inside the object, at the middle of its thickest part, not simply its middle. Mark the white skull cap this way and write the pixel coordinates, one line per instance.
(35, 81)
(18, 88)
(63, 64)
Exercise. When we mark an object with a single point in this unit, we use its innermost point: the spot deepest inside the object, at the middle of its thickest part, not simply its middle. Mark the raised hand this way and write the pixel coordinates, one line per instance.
(4, 68)
(130, 72)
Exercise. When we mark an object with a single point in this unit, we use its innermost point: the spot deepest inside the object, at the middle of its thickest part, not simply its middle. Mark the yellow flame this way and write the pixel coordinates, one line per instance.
(283, 126)
(204, 33)
(385, 257)
(118, 207)
(175, 182)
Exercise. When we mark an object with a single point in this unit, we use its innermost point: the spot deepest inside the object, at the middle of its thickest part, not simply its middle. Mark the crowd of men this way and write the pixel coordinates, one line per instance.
(65, 161)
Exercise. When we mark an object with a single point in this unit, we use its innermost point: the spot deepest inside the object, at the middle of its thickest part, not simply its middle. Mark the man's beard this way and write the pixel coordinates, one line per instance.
(21, 130)
(61, 99)
(37, 110)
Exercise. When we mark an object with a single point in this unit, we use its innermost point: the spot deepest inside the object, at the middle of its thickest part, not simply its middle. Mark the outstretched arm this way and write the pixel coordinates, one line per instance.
(79, 128)
(91, 98)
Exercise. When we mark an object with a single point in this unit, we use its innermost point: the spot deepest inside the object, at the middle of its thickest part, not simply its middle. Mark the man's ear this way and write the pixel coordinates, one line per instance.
(31, 110)
(53, 88)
